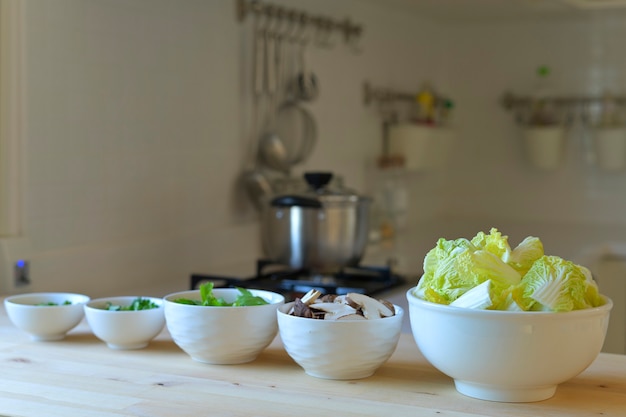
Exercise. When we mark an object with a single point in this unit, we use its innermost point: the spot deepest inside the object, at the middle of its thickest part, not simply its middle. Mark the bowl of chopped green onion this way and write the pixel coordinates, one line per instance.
(222, 325)
(46, 316)
(125, 322)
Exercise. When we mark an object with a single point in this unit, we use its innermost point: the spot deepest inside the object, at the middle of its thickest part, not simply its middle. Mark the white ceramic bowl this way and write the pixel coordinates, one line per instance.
(504, 355)
(124, 329)
(222, 335)
(45, 323)
(335, 349)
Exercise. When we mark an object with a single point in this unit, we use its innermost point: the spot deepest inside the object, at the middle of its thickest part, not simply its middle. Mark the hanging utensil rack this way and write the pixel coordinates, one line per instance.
(388, 95)
(391, 102)
(378, 94)
(529, 110)
(351, 31)
(512, 101)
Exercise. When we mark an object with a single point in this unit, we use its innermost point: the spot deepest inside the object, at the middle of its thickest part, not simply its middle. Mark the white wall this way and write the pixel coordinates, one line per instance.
(137, 126)
(137, 122)
(490, 175)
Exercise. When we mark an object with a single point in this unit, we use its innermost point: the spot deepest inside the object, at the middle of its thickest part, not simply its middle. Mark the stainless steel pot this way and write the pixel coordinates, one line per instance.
(322, 229)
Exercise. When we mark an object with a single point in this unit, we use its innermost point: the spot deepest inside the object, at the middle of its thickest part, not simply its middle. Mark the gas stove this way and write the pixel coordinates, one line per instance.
(293, 283)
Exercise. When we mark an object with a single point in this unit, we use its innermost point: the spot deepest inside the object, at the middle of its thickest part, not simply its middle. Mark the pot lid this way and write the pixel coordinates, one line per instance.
(320, 192)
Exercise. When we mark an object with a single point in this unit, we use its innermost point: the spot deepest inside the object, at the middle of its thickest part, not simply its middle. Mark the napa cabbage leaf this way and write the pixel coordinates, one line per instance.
(555, 284)
(485, 273)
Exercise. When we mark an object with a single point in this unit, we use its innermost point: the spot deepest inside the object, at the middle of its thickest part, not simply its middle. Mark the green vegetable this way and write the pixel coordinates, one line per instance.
(494, 243)
(454, 267)
(555, 284)
(50, 303)
(137, 304)
(525, 254)
(484, 273)
(245, 298)
(478, 297)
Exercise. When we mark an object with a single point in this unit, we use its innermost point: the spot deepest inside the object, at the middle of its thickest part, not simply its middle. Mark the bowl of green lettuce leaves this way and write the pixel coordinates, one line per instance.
(222, 325)
(46, 316)
(125, 322)
(506, 324)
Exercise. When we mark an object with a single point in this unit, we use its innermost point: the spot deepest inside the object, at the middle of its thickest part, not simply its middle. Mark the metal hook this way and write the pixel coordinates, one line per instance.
(289, 17)
(259, 17)
(274, 14)
(299, 24)
(262, 17)
(295, 33)
(352, 35)
(324, 32)
(304, 36)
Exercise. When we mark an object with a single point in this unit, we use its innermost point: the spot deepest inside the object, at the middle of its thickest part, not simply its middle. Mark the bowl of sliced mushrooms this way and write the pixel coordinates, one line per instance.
(339, 336)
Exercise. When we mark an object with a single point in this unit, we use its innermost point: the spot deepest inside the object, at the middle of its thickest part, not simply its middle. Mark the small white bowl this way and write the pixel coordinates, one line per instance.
(124, 329)
(506, 355)
(335, 349)
(45, 323)
(222, 335)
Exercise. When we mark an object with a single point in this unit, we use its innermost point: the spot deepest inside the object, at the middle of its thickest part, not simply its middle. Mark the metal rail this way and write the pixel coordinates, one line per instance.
(351, 31)
(385, 95)
(511, 101)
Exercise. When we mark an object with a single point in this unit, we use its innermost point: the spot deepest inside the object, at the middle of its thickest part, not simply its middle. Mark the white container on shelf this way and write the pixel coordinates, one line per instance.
(544, 146)
(610, 148)
(423, 147)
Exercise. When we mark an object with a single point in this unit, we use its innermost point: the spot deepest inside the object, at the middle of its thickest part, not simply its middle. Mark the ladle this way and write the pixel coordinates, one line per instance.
(272, 149)
(254, 179)
(307, 88)
(258, 186)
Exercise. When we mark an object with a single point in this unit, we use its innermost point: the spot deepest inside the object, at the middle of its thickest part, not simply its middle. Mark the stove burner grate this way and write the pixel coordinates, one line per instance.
(293, 283)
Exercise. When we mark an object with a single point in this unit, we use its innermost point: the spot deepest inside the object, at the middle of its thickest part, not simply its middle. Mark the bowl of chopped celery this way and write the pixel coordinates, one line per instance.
(506, 324)
(46, 316)
(125, 322)
(222, 325)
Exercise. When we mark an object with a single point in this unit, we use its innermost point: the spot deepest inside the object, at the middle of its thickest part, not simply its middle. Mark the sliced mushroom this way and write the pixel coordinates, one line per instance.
(352, 317)
(328, 298)
(333, 311)
(372, 308)
(389, 306)
(342, 299)
(351, 303)
(311, 296)
(301, 310)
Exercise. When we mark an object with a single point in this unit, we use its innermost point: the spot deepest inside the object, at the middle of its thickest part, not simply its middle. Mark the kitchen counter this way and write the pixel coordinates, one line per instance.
(80, 376)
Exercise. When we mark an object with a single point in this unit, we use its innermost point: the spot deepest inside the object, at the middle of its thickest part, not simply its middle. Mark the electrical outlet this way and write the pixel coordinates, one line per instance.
(21, 273)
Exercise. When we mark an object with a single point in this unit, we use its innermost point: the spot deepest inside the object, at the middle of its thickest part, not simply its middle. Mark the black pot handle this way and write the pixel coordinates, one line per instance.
(318, 180)
(295, 201)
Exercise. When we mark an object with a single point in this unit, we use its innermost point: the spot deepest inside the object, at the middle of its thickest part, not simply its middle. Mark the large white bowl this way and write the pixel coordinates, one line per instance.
(335, 349)
(45, 323)
(504, 355)
(124, 329)
(222, 335)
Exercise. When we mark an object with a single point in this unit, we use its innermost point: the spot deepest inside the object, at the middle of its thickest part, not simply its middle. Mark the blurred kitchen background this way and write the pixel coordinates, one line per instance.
(127, 126)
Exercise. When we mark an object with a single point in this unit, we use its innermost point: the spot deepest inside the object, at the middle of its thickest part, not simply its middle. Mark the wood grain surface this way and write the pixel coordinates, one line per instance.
(81, 376)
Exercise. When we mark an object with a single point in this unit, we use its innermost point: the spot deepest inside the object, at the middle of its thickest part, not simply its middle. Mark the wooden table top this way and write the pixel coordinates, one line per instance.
(81, 376)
